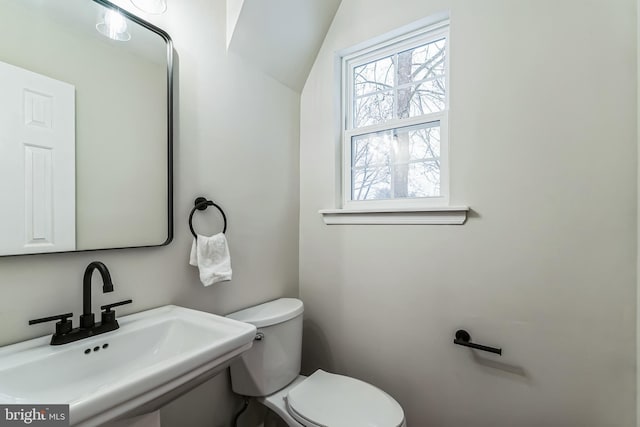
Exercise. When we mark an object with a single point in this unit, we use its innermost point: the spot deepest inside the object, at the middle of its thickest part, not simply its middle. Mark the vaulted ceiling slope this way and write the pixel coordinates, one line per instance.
(281, 37)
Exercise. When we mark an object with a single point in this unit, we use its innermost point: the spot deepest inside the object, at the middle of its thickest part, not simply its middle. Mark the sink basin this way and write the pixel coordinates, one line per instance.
(154, 357)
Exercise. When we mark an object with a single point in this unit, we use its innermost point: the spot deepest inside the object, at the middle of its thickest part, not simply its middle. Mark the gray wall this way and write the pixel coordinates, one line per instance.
(543, 149)
(544, 146)
(237, 143)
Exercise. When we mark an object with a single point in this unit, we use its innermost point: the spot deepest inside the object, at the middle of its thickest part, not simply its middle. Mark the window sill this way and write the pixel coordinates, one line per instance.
(445, 215)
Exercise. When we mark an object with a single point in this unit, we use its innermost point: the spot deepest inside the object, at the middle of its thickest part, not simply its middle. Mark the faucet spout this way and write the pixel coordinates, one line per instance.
(87, 320)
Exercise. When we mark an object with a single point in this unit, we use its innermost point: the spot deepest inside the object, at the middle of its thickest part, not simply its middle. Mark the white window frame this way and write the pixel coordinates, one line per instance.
(380, 50)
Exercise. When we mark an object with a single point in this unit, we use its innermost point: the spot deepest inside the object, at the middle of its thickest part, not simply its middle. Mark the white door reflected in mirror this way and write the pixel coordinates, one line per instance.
(37, 160)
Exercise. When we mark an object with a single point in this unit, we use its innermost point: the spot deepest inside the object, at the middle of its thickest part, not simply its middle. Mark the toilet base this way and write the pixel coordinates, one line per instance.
(277, 404)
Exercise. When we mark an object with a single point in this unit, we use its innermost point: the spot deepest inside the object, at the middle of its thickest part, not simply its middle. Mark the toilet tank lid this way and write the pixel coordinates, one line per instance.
(270, 313)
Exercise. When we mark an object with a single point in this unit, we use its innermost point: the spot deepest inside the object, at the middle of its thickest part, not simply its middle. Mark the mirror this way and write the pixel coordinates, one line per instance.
(85, 128)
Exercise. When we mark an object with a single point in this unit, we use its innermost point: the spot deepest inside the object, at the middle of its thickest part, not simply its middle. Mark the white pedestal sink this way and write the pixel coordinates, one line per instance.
(154, 357)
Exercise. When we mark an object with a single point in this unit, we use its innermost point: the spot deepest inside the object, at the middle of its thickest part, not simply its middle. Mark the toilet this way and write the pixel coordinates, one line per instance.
(270, 372)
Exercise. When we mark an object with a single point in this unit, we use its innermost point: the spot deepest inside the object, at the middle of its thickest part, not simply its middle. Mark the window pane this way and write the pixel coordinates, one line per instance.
(371, 150)
(374, 77)
(424, 179)
(370, 166)
(396, 164)
(427, 61)
(373, 109)
(421, 80)
(425, 141)
(428, 97)
(371, 184)
(424, 98)
(412, 146)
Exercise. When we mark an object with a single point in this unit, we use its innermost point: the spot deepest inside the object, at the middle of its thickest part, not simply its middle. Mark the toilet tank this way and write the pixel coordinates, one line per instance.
(274, 360)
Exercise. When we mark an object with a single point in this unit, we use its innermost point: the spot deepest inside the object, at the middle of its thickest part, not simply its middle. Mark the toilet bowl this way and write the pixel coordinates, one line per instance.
(270, 371)
(325, 399)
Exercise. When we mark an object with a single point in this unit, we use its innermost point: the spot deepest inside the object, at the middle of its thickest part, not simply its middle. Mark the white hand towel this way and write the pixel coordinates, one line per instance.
(211, 256)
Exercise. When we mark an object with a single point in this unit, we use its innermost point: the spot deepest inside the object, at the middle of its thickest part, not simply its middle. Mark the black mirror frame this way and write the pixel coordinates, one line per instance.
(169, 43)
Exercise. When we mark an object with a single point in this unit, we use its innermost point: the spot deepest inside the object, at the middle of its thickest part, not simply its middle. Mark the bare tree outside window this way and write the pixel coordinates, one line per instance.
(402, 162)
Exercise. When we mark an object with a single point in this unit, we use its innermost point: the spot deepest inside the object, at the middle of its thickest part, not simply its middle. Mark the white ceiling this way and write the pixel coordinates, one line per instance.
(282, 37)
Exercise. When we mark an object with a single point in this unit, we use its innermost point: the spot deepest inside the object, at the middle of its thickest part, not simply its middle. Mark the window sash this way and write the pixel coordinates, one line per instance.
(391, 48)
(408, 202)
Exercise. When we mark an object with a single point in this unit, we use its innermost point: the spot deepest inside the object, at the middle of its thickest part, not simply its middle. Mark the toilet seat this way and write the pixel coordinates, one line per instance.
(330, 400)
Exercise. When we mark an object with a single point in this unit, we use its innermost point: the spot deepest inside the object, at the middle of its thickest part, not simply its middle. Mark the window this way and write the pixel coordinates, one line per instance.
(395, 106)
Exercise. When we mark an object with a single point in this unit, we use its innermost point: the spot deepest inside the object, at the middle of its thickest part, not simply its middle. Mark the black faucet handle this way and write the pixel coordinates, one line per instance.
(64, 325)
(61, 317)
(108, 316)
(108, 307)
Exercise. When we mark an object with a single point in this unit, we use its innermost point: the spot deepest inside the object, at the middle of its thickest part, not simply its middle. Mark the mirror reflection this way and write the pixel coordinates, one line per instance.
(84, 128)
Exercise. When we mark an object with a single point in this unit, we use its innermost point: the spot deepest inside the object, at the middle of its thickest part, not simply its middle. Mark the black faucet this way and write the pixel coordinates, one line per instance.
(65, 332)
(87, 320)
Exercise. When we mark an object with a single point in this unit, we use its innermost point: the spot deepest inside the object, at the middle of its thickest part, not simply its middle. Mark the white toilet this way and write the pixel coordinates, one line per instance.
(270, 372)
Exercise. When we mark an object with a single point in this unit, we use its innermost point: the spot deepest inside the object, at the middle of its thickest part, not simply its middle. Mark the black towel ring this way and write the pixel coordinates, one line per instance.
(201, 204)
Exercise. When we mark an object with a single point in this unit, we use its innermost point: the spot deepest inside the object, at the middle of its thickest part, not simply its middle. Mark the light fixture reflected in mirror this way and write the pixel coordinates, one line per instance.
(154, 7)
(114, 26)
